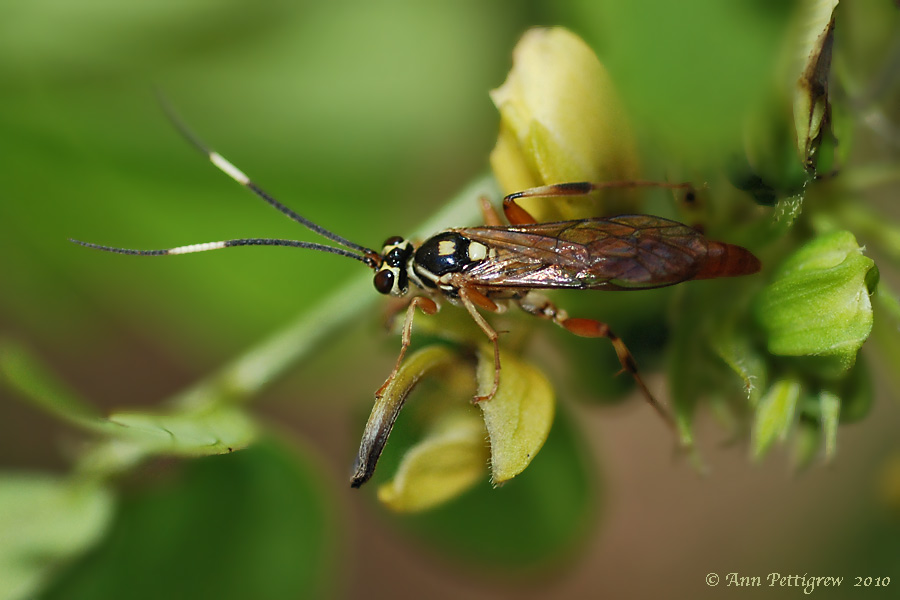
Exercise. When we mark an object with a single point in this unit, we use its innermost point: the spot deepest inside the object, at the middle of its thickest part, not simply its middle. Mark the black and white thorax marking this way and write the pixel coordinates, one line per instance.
(431, 266)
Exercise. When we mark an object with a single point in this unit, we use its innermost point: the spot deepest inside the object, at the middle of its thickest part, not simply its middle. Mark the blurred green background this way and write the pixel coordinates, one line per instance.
(364, 117)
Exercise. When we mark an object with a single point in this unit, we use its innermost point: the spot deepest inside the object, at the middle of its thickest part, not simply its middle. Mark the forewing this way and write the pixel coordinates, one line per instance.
(624, 252)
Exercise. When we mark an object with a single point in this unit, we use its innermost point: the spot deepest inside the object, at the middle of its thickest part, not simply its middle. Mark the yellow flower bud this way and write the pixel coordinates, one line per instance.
(560, 121)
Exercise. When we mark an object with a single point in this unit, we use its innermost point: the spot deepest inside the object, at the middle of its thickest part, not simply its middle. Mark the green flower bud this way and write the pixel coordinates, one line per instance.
(818, 302)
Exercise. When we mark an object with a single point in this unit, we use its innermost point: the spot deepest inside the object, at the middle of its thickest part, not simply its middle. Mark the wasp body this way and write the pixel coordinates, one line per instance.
(626, 252)
(489, 267)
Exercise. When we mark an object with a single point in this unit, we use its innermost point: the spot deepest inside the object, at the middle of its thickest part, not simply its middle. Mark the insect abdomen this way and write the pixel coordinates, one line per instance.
(727, 260)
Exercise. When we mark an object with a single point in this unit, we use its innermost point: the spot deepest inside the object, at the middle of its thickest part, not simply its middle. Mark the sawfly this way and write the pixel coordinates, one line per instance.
(491, 267)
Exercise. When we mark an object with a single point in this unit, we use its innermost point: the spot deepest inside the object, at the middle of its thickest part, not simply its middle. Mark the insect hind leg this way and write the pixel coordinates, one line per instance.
(539, 306)
(519, 216)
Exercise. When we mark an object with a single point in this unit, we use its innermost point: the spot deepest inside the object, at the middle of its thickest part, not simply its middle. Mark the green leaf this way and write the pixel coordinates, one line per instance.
(129, 437)
(518, 418)
(774, 415)
(46, 521)
(135, 436)
(255, 524)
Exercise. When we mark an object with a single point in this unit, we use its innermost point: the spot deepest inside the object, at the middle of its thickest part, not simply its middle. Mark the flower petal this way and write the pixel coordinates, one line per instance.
(518, 418)
(447, 462)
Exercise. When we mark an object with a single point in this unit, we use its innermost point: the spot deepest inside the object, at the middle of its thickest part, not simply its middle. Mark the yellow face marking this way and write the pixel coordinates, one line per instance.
(446, 247)
(477, 251)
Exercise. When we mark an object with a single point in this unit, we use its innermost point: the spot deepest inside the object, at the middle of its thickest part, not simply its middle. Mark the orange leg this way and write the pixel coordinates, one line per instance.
(539, 306)
(519, 216)
(427, 306)
(490, 214)
(393, 307)
(470, 298)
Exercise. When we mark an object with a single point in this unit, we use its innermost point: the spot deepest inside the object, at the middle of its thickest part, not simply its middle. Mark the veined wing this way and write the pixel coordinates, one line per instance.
(623, 252)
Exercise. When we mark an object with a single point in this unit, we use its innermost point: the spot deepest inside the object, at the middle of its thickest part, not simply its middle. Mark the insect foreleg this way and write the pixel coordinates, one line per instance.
(427, 306)
(470, 298)
(392, 310)
(540, 306)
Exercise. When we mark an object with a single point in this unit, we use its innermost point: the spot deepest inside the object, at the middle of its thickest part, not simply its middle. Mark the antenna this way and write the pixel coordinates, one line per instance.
(365, 259)
(367, 256)
(236, 174)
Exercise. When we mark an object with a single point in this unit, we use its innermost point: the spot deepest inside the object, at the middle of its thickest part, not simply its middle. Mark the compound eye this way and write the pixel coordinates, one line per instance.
(392, 241)
(384, 281)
